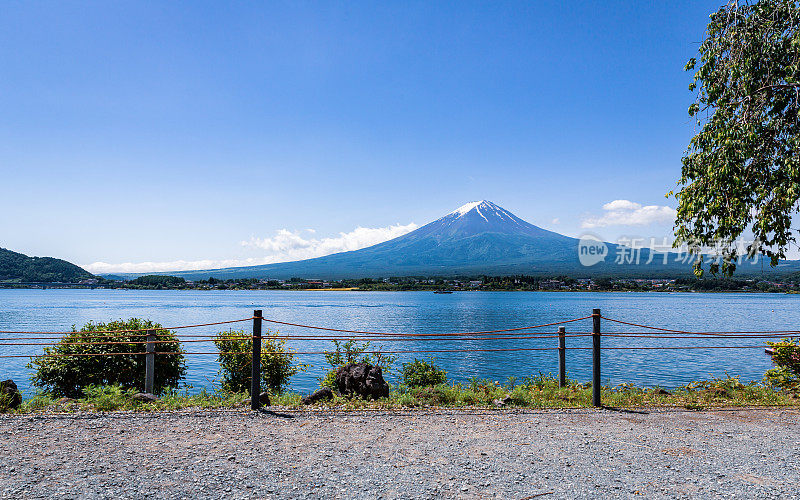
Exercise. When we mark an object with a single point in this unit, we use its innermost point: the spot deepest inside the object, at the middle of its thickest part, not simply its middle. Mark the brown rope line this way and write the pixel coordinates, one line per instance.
(688, 335)
(416, 351)
(388, 352)
(139, 329)
(696, 337)
(321, 339)
(422, 334)
(412, 339)
(177, 337)
(685, 347)
(519, 349)
(3, 339)
(720, 333)
(63, 334)
(91, 354)
(112, 343)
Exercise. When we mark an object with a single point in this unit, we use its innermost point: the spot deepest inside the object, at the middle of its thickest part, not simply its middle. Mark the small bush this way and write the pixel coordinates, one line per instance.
(787, 356)
(352, 351)
(720, 388)
(781, 377)
(108, 398)
(71, 370)
(235, 359)
(435, 395)
(421, 373)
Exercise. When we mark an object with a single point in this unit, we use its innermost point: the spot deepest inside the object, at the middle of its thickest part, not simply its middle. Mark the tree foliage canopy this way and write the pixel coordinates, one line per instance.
(158, 280)
(742, 170)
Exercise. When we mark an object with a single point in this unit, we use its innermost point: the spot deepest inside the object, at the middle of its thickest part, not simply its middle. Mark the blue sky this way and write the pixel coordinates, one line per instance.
(145, 133)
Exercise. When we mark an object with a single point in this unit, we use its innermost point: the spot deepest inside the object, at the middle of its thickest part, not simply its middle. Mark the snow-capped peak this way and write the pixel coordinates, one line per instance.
(463, 209)
(485, 210)
(480, 207)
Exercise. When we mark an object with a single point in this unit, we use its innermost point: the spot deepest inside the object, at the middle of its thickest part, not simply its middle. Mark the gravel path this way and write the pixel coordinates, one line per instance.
(467, 454)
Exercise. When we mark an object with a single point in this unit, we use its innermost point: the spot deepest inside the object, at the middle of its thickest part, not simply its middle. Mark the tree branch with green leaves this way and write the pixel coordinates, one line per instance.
(741, 171)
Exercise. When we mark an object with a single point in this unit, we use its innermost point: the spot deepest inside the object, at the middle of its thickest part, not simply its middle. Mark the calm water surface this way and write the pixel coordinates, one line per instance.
(425, 312)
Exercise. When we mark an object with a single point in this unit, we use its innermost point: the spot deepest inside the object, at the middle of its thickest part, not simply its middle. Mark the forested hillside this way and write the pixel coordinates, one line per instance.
(15, 266)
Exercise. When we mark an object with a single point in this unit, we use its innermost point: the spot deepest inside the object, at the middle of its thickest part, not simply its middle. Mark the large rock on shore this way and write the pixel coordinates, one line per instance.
(323, 394)
(9, 395)
(363, 380)
(145, 397)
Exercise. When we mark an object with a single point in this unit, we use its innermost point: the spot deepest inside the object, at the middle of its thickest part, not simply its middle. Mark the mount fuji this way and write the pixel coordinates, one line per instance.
(477, 238)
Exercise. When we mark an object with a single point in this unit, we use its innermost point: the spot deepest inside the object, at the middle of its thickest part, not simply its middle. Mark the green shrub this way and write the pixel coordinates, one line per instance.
(108, 397)
(71, 370)
(435, 395)
(786, 354)
(782, 377)
(722, 387)
(235, 360)
(352, 351)
(422, 373)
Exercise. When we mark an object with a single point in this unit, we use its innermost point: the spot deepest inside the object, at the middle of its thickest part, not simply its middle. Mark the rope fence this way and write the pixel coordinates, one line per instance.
(148, 340)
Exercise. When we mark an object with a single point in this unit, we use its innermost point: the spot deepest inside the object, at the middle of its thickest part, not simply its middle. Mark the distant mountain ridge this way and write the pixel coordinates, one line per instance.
(17, 267)
(477, 238)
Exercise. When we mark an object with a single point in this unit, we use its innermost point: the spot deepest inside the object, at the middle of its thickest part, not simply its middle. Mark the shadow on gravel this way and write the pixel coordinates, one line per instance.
(625, 410)
(274, 413)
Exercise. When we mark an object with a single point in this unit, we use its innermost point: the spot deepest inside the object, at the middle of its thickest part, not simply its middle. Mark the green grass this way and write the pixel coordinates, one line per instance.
(538, 392)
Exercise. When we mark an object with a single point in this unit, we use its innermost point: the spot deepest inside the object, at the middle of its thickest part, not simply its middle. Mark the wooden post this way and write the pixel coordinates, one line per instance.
(562, 358)
(150, 362)
(596, 384)
(255, 382)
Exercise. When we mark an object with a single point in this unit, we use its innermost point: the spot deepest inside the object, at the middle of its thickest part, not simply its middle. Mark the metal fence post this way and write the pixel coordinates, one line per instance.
(150, 362)
(255, 382)
(562, 358)
(596, 358)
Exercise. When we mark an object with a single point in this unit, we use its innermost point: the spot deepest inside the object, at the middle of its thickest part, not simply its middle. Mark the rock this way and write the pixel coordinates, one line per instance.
(263, 398)
(502, 402)
(66, 400)
(9, 395)
(661, 392)
(363, 380)
(145, 397)
(323, 394)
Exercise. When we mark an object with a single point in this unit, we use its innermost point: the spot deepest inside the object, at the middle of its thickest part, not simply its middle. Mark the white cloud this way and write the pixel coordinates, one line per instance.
(291, 245)
(283, 247)
(629, 213)
(556, 221)
(622, 205)
(175, 265)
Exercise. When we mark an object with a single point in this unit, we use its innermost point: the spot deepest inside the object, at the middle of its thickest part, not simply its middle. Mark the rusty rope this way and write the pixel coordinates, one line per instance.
(719, 333)
(391, 352)
(696, 336)
(389, 334)
(3, 342)
(135, 330)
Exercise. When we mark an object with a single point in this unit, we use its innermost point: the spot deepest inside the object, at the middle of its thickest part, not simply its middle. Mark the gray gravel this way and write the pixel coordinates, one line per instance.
(750, 453)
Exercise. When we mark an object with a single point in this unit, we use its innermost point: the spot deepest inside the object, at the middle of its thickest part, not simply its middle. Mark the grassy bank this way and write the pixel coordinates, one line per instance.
(538, 392)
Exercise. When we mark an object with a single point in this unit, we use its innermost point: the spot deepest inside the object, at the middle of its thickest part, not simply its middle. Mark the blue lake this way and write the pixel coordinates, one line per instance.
(425, 312)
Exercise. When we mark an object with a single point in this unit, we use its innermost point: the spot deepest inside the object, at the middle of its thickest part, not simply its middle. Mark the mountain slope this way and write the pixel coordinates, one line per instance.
(18, 267)
(477, 238)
